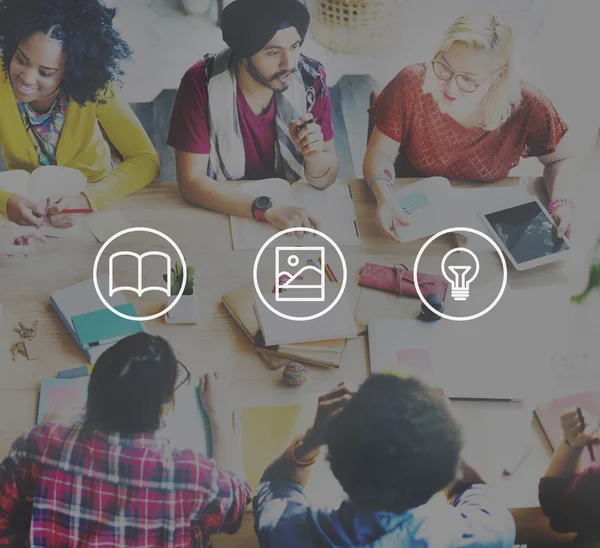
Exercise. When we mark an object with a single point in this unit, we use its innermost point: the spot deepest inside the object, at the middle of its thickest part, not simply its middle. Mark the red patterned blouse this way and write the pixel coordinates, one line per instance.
(432, 143)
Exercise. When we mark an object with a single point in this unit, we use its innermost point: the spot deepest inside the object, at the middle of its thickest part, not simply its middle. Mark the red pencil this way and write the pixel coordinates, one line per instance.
(88, 210)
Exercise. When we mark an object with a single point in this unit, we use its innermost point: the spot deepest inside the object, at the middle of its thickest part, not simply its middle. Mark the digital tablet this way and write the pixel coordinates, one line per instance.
(527, 234)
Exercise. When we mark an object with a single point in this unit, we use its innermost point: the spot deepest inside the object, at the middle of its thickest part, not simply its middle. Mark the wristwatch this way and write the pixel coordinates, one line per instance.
(260, 206)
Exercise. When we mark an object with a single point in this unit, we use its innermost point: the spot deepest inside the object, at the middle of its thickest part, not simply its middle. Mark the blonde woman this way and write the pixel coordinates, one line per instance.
(466, 116)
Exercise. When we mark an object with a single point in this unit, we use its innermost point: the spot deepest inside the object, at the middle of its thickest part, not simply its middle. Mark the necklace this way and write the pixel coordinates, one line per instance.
(263, 107)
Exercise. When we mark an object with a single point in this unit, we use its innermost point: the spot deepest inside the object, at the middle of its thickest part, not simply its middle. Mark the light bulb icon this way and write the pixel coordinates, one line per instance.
(458, 279)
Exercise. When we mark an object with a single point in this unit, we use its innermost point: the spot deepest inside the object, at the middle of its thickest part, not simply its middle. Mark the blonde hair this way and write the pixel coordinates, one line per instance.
(491, 34)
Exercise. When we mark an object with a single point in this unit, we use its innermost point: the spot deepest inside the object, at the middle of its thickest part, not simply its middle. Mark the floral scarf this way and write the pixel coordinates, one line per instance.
(45, 129)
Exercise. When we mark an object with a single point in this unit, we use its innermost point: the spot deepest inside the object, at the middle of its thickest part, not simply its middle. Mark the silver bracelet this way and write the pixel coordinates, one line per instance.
(317, 178)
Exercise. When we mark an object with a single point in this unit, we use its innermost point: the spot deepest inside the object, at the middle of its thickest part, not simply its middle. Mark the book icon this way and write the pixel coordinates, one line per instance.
(139, 290)
(305, 277)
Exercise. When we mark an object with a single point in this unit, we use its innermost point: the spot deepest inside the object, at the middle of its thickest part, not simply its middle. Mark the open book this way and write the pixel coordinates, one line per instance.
(42, 183)
(333, 208)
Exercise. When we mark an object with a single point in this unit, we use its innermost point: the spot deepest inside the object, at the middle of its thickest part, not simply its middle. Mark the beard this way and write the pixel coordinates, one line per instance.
(267, 81)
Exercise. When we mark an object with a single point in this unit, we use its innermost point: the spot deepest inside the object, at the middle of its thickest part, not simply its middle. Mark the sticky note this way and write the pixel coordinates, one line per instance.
(417, 359)
(65, 395)
(418, 362)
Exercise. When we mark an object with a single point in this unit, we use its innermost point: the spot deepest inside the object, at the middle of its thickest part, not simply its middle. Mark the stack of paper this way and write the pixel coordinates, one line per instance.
(318, 342)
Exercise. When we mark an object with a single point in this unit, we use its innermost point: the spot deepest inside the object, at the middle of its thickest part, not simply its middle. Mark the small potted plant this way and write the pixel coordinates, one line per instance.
(185, 311)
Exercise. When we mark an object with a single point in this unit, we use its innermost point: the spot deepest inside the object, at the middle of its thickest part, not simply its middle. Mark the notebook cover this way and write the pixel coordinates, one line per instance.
(78, 299)
(103, 326)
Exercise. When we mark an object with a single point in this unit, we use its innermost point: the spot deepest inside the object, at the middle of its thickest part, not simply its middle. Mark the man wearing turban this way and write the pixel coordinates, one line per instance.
(258, 109)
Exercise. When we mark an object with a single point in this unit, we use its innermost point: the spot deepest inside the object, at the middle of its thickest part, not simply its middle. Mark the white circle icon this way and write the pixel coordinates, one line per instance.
(128, 231)
(293, 261)
(472, 231)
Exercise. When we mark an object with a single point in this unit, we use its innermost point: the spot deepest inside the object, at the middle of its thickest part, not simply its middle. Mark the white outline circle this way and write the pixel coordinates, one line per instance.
(127, 231)
(504, 274)
(290, 260)
(255, 273)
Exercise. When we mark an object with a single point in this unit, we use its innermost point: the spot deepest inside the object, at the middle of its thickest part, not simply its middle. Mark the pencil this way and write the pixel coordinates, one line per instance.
(329, 272)
(589, 443)
(86, 210)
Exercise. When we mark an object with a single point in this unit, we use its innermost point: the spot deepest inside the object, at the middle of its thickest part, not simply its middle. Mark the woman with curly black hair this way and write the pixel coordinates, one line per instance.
(62, 62)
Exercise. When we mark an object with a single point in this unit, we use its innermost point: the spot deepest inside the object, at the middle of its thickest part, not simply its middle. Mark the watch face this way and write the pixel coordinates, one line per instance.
(263, 202)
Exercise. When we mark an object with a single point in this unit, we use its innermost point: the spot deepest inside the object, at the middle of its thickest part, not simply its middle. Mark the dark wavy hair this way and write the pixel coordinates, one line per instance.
(394, 445)
(129, 385)
(94, 48)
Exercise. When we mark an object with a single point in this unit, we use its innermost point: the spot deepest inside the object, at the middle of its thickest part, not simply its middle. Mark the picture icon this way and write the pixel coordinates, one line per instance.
(307, 277)
(139, 290)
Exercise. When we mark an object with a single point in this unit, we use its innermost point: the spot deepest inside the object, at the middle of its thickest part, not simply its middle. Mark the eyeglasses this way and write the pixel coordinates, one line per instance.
(445, 73)
(183, 375)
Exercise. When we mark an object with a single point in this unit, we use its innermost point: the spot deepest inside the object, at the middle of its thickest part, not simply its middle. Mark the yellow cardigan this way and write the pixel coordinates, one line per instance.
(81, 146)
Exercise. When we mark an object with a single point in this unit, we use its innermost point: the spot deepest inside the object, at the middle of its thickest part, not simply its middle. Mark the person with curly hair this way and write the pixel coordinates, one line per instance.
(395, 448)
(58, 94)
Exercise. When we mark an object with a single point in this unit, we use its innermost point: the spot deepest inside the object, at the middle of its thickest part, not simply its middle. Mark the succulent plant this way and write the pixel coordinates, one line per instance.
(177, 279)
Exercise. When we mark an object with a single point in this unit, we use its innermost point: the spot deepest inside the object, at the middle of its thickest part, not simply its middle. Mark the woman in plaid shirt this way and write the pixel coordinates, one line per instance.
(108, 479)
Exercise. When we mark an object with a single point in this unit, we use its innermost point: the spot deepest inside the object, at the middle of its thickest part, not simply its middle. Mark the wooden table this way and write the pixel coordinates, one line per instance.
(216, 343)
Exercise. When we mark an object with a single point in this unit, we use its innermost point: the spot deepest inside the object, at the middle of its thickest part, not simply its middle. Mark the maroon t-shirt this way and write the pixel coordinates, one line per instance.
(189, 129)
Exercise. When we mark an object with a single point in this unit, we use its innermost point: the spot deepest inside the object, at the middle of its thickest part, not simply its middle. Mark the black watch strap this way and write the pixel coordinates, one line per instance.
(260, 206)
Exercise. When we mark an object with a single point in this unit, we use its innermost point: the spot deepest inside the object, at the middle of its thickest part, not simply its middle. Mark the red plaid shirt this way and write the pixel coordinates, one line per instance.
(65, 485)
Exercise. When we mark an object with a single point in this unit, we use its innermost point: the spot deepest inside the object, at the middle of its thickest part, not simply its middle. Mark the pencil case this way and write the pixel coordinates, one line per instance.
(398, 279)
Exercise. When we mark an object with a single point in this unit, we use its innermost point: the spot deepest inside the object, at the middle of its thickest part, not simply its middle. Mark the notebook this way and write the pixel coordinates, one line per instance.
(79, 299)
(240, 304)
(432, 205)
(318, 356)
(548, 416)
(101, 327)
(425, 205)
(42, 183)
(105, 224)
(187, 427)
(338, 323)
(466, 361)
(55, 392)
(267, 431)
(333, 208)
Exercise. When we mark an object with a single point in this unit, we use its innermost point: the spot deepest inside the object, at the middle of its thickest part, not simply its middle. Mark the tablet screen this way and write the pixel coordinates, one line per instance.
(526, 232)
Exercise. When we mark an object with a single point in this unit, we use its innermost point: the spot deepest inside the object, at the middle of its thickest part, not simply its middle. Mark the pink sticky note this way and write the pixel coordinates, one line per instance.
(418, 360)
(65, 395)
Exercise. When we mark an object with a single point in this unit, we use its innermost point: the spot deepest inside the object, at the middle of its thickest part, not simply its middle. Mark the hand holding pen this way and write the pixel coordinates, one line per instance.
(64, 211)
(579, 429)
(306, 134)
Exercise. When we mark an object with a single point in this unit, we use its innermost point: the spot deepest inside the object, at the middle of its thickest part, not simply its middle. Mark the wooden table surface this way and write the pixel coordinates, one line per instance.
(216, 342)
